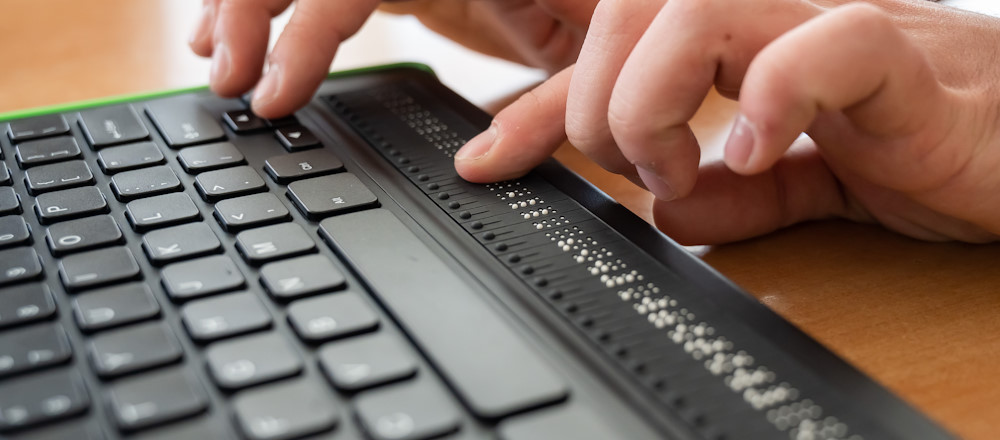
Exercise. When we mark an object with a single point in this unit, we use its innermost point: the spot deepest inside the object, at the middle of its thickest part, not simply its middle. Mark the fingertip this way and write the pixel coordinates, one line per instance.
(200, 40)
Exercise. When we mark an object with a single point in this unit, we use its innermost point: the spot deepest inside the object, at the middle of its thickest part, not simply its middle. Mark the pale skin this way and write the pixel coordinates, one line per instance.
(900, 99)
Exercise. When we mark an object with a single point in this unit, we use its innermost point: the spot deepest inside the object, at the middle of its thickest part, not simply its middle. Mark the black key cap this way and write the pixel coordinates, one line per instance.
(410, 411)
(133, 348)
(5, 178)
(19, 264)
(331, 316)
(208, 428)
(42, 398)
(33, 348)
(273, 242)
(36, 127)
(497, 376)
(180, 243)
(328, 195)
(565, 421)
(144, 182)
(286, 410)
(282, 122)
(366, 361)
(112, 125)
(43, 151)
(96, 268)
(230, 182)
(70, 203)
(243, 121)
(296, 138)
(223, 316)
(13, 231)
(25, 303)
(158, 397)
(83, 234)
(58, 176)
(301, 276)
(250, 211)
(182, 122)
(114, 306)
(209, 157)
(252, 360)
(294, 166)
(160, 211)
(10, 203)
(127, 157)
(200, 277)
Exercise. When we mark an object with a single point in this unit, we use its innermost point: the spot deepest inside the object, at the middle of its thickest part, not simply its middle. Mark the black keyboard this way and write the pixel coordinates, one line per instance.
(175, 267)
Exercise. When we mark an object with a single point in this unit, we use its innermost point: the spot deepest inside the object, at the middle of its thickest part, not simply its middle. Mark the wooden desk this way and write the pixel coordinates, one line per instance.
(921, 318)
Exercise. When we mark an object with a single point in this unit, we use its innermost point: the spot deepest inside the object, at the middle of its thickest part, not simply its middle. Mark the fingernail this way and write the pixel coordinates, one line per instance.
(220, 63)
(199, 31)
(479, 146)
(740, 143)
(659, 187)
(267, 89)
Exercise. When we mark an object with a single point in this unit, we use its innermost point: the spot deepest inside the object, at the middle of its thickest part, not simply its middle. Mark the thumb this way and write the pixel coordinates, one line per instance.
(521, 136)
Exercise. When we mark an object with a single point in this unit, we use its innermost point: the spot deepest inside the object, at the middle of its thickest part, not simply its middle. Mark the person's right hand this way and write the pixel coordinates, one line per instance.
(541, 33)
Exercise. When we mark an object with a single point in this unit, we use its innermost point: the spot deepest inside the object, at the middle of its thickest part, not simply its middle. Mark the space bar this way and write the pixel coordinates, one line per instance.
(493, 369)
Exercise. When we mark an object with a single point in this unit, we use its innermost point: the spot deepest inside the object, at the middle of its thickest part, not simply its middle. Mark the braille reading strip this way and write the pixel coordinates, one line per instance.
(506, 218)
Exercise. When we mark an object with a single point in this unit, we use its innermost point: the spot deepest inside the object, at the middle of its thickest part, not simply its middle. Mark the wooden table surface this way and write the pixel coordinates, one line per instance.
(921, 318)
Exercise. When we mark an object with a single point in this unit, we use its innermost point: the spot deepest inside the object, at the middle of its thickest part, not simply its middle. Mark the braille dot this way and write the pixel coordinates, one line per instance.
(454, 205)
(443, 196)
(501, 247)
(514, 258)
(527, 270)
(476, 225)
(394, 152)
(541, 282)
(433, 186)
(384, 145)
(489, 236)
(423, 178)
(413, 169)
(465, 215)
(573, 308)
(403, 160)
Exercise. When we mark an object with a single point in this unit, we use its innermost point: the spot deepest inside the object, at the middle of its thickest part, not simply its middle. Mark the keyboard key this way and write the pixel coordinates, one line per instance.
(331, 316)
(58, 176)
(566, 421)
(273, 242)
(195, 429)
(42, 398)
(286, 410)
(37, 127)
(10, 203)
(25, 303)
(180, 243)
(301, 276)
(71, 430)
(144, 182)
(96, 268)
(5, 178)
(366, 361)
(252, 360)
(183, 122)
(33, 348)
(201, 277)
(243, 121)
(68, 204)
(496, 376)
(160, 211)
(288, 167)
(112, 125)
(133, 348)
(282, 122)
(13, 231)
(43, 151)
(328, 195)
(224, 316)
(415, 410)
(127, 157)
(296, 138)
(158, 397)
(229, 182)
(250, 211)
(83, 234)
(19, 264)
(209, 157)
(114, 306)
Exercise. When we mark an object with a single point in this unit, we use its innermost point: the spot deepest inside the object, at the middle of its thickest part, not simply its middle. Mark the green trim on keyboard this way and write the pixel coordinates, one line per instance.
(78, 105)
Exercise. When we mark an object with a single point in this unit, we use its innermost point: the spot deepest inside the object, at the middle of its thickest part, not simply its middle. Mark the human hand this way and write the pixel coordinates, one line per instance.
(901, 102)
(540, 33)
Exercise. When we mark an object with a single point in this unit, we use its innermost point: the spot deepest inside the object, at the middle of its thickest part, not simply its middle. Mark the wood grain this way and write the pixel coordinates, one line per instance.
(921, 318)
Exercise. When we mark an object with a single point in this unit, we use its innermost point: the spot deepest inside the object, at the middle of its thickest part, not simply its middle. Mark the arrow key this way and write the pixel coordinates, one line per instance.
(114, 306)
(243, 121)
(133, 348)
(296, 138)
(250, 211)
(229, 182)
